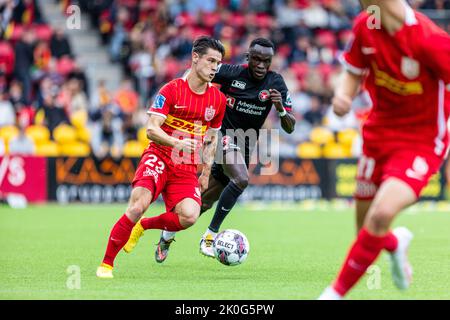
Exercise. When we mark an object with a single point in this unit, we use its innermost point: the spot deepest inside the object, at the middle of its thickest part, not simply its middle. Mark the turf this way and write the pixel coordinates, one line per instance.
(295, 253)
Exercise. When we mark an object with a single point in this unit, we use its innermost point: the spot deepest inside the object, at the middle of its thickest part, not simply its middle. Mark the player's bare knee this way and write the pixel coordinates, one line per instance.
(188, 219)
(380, 219)
(135, 211)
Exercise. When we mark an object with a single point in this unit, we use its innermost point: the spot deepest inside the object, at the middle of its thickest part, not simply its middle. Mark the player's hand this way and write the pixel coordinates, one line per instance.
(341, 104)
(203, 180)
(277, 100)
(186, 145)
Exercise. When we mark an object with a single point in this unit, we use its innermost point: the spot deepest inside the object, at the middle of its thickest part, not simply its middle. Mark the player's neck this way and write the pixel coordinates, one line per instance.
(393, 16)
(196, 84)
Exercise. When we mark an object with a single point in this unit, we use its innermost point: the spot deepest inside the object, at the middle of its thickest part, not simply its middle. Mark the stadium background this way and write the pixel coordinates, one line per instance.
(71, 131)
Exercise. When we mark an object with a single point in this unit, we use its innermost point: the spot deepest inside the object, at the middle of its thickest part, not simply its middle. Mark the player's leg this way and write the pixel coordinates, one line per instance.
(362, 207)
(216, 185)
(209, 197)
(183, 201)
(392, 196)
(139, 201)
(236, 169)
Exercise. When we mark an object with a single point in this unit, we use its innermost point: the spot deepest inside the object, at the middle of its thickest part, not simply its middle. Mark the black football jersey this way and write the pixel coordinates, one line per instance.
(248, 102)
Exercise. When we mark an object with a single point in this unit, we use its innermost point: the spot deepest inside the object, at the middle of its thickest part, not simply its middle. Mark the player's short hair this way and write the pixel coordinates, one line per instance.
(203, 43)
(262, 42)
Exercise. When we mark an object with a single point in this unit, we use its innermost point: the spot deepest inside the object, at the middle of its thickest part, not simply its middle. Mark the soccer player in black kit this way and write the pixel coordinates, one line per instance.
(251, 92)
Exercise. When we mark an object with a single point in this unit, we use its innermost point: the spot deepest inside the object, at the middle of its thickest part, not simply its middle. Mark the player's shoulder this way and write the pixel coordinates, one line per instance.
(275, 78)
(427, 27)
(216, 91)
(171, 85)
(231, 70)
(360, 21)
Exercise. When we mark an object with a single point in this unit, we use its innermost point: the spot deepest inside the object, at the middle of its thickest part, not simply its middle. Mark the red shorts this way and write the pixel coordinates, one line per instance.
(377, 164)
(162, 177)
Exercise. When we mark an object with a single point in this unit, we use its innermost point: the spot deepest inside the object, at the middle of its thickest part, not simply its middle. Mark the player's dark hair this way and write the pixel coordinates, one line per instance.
(262, 42)
(203, 43)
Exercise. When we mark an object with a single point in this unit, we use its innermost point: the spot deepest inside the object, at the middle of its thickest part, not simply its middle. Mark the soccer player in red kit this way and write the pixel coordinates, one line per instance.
(183, 120)
(405, 66)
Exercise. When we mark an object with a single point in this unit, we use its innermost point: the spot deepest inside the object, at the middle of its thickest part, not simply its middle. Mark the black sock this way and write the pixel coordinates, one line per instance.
(227, 201)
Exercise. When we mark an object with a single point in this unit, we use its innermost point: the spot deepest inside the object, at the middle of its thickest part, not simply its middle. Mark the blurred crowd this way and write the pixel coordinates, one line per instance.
(41, 83)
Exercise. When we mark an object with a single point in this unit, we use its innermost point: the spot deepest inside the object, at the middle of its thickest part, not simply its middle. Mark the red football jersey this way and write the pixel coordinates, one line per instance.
(407, 77)
(188, 115)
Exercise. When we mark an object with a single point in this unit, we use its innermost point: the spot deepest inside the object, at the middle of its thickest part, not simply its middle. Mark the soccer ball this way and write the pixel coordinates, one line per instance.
(231, 247)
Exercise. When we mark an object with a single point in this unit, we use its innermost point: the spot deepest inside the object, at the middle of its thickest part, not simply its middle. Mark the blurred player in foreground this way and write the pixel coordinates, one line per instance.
(184, 118)
(252, 90)
(405, 65)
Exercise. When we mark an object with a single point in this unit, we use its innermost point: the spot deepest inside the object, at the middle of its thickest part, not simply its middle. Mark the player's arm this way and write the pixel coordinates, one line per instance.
(286, 117)
(159, 136)
(346, 89)
(209, 151)
(355, 68)
(210, 144)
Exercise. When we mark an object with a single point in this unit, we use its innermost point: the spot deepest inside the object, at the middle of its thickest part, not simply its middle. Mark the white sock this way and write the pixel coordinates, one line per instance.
(168, 235)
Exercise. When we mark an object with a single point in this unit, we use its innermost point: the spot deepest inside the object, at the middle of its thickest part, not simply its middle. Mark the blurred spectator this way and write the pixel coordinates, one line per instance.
(8, 115)
(78, 99)
(24, 61)
(27, 12)
(21, 144)
(142, 65)
(59, 44)
(6, 13)
(6, 58)
(436, 4)
(78, 73)
(41, 57)
(120, 33)
(54, 113)
(314, 115)
(16, 94)
(105, 123)
(129, 128)
(127, 98)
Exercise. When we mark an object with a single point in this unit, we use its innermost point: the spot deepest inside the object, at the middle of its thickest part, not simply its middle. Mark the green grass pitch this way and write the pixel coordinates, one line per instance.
(295, 253)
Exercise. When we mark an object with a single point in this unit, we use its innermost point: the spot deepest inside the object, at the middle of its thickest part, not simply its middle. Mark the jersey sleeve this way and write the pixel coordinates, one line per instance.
(280, 85)
(226, 73)
(216, 122)
(352, 58)
(436, 49)
(163, 101)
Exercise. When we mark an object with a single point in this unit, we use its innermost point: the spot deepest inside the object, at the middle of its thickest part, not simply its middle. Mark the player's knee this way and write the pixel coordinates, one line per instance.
(241, 182)
(188, 219)
(135, 211)
(380, 218)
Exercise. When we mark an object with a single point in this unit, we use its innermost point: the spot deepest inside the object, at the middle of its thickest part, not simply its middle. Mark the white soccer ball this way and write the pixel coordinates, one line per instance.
(231, 247)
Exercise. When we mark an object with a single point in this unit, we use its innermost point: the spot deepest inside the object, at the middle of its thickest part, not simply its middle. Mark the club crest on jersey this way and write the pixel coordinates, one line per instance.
(410, 68)
(209, 113)
(264, 95)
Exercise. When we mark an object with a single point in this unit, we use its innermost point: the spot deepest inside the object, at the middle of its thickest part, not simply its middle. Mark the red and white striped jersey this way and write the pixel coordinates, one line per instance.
(187, 115)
